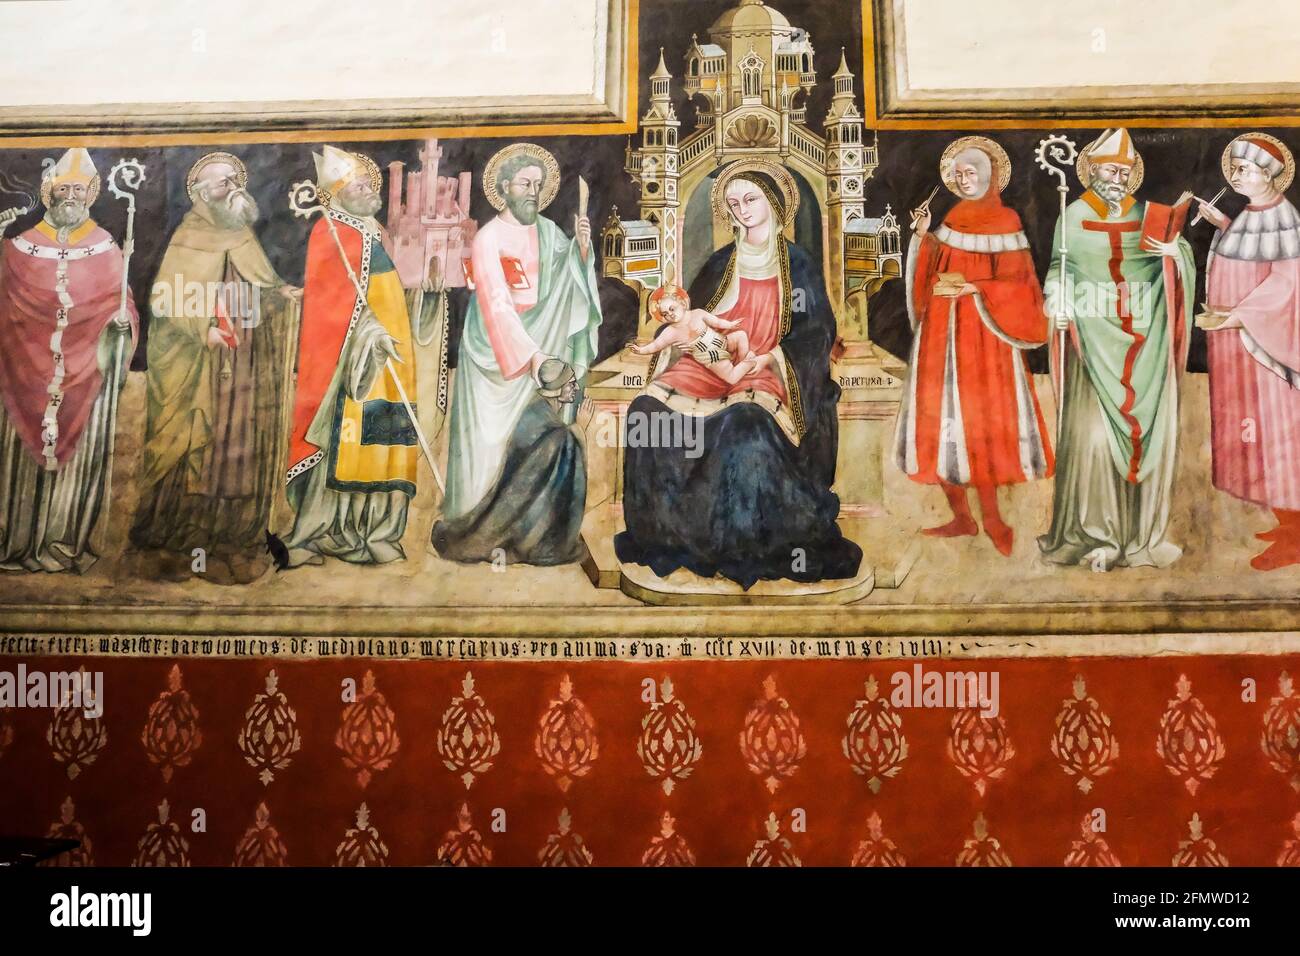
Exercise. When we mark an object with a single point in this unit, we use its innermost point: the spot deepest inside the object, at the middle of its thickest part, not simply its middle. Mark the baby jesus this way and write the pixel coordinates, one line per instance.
(715, 343)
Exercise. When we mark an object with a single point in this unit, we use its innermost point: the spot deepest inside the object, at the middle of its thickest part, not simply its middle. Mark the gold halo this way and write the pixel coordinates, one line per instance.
(1134, 179)
(1283, 180)
(551, 168)
(241, 171)
(372, 170)
(779, 174)
(47, 189)
(997, 158)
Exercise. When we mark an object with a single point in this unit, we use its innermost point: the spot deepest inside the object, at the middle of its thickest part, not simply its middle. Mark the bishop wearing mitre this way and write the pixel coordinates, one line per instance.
(1127, 298)
(62, 328)
(353, 449)
(970, 417)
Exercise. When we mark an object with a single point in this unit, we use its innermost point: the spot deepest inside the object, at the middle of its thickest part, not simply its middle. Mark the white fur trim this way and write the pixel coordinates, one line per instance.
(979, 242)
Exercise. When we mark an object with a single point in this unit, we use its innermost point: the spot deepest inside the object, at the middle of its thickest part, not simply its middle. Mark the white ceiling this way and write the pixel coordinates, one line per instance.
(80, 52)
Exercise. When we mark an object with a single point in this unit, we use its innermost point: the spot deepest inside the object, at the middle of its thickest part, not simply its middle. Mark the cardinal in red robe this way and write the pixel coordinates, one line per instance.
(970, 416)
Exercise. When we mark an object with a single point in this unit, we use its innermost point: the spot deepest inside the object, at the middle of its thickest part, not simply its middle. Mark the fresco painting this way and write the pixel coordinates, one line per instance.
(587, 455)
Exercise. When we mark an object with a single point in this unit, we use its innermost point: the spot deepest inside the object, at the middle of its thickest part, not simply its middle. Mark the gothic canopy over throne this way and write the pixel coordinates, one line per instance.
(750, 82)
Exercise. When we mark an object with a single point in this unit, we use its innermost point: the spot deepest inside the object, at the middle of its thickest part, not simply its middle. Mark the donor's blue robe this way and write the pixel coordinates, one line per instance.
(746, 502)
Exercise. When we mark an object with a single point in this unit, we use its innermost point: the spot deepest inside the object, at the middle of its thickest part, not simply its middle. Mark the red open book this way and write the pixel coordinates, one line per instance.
(516, 275)
(1166, 222)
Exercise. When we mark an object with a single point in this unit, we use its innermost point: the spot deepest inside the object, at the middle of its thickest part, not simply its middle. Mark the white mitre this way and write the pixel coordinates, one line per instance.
(1113, 146)
(335, 168)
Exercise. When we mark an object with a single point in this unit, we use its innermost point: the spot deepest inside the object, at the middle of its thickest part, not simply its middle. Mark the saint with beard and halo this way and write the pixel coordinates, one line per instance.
(61, 320)
(216, 387)
(1129, 304)
(535, 298)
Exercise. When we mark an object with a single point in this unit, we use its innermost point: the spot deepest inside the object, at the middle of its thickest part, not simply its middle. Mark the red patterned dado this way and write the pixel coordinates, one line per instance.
(414, 763)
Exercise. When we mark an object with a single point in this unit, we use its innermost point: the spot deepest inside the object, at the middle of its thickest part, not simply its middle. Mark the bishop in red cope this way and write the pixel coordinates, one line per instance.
(60, 321)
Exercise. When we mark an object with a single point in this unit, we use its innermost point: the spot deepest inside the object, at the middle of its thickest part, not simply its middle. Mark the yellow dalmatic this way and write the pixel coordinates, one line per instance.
(353, 454)
(348, 412)
(377, 441)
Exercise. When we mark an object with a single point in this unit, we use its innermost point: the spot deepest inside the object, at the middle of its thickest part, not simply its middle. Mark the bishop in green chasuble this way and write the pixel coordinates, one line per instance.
(1128, 305)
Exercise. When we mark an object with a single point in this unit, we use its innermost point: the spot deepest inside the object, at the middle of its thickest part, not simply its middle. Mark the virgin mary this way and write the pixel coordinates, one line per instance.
(752, 499)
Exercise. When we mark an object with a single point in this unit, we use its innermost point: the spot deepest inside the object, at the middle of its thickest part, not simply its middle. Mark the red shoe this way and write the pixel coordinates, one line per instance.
(1288, 525)
(1002, 537)
(958, 527)
(1280, 554)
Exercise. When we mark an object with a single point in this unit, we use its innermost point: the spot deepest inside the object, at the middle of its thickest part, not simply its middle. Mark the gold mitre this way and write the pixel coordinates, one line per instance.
(1113, 146)
(74, 166)
(335, 168)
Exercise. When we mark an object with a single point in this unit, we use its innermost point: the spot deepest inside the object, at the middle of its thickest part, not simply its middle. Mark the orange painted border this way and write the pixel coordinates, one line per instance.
(1030, 120)
(631, 54)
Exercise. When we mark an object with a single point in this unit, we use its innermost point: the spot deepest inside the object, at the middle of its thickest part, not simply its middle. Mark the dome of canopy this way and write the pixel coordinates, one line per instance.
(751, 16)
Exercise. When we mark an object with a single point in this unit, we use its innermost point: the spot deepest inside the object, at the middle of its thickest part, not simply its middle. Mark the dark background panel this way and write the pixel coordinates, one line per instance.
(1176, 159)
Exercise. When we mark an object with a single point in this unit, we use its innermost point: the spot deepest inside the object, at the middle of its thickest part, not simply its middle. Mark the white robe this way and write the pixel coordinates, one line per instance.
(557, 313)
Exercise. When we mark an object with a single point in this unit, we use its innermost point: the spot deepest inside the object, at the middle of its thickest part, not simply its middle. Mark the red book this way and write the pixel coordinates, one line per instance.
(224, 327)
(1165, 222)
(516, 275)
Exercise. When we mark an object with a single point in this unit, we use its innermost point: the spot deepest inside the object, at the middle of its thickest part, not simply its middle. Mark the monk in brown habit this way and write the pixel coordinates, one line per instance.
(217, 382)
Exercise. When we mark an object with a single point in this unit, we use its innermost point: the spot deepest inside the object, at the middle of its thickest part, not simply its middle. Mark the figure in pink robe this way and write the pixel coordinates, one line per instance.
(1254, 353)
